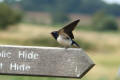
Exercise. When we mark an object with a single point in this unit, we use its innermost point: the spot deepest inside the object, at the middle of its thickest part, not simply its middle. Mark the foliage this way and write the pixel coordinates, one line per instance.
(91, 6)
(8, 16)
(59, 18)
(102, 22)
(70, 6)
(113, 9)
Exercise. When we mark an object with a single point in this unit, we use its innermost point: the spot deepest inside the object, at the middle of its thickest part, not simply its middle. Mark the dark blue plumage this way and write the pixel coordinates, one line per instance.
(55, 34)
(75, 44)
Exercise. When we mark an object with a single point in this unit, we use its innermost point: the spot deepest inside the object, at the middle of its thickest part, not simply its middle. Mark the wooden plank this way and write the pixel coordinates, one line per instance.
(44, 61)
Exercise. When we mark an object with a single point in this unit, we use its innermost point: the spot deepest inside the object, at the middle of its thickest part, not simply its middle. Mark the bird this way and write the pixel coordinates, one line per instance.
(64, 36)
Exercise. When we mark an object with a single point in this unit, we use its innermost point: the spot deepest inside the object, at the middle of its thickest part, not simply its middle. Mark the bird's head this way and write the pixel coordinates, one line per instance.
(54, 34)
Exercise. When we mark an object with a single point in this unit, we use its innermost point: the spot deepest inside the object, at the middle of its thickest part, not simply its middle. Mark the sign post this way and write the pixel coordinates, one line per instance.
(44, 61)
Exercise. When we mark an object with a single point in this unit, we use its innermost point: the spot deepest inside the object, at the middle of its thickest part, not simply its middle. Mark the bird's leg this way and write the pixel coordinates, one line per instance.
(66, 48)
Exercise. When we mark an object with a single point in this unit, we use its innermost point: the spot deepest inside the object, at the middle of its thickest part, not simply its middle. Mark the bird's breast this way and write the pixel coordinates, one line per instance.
(65, 42)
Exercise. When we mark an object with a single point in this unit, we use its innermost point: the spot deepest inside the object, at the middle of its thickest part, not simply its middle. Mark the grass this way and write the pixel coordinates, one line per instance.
(102, 47)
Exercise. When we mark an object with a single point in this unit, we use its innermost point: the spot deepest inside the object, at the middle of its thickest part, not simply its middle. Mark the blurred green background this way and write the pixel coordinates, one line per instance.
(29, 22)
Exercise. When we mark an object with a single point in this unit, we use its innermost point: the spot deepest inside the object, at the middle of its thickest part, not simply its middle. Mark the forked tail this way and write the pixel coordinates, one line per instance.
(74, 44)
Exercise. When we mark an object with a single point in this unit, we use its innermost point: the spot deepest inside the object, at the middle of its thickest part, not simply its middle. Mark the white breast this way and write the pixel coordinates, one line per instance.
(65, 42)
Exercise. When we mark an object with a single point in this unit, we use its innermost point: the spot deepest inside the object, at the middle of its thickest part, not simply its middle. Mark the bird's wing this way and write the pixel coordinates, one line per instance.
(69, 28)
(61, 32)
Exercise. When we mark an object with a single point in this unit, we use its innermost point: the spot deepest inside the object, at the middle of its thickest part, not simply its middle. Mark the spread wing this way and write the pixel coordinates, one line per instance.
(69, 28)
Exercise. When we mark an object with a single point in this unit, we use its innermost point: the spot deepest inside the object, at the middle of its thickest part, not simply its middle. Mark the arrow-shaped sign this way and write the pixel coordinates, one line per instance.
(44, 61)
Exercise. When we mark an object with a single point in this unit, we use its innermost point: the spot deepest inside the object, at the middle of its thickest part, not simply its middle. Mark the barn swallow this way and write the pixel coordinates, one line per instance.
(65, 36)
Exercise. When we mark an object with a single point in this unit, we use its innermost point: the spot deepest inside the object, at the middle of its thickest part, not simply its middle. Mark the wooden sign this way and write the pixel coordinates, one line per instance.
(44, 61)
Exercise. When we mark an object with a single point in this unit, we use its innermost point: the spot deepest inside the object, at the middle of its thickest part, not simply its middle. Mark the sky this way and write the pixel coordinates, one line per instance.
(112, 1)
(1, 0)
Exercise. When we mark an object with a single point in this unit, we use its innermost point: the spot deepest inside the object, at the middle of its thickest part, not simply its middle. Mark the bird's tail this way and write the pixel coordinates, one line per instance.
(74, 44)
